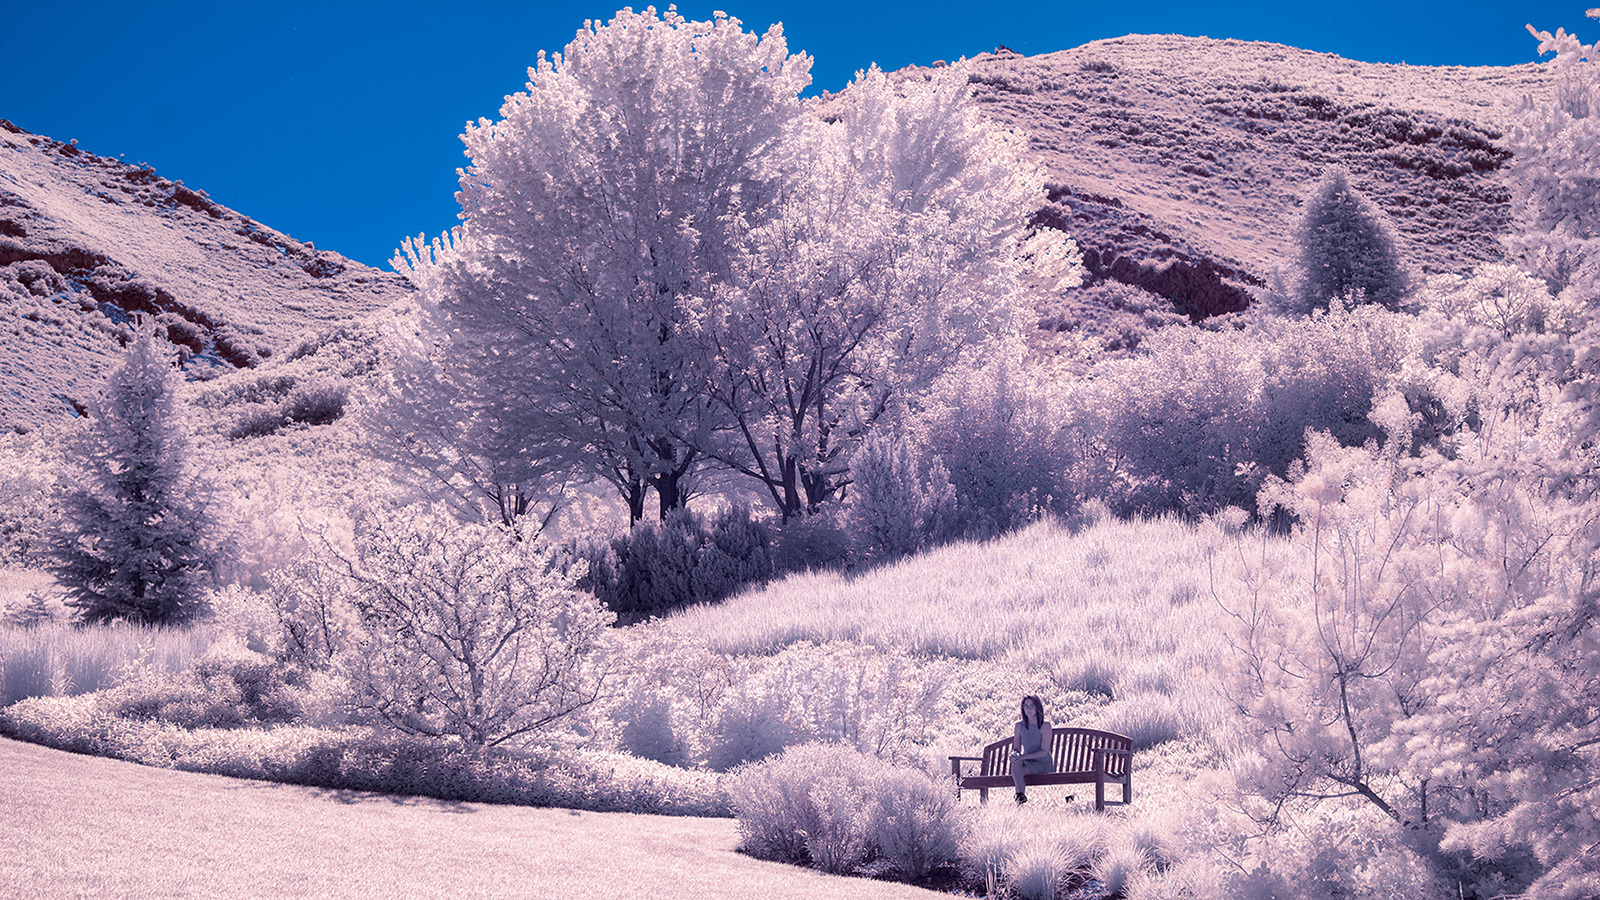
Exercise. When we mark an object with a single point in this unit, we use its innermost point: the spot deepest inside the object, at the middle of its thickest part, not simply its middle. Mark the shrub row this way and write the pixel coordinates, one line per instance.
(123, 726)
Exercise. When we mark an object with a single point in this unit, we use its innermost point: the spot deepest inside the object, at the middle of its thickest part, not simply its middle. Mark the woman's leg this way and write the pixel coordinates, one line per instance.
(1028, 767)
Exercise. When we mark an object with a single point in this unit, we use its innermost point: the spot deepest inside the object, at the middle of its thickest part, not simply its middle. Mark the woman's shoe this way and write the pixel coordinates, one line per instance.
(1021, 797)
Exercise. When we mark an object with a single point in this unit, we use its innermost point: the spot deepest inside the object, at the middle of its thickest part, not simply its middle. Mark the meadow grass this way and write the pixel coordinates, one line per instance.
(54, 659)
(1124, 610)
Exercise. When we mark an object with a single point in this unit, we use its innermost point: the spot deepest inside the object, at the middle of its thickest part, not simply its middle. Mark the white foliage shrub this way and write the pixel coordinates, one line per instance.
(29, 464)
(650, 729)
(753, 721)
(1342, 853)
(313, 612)
(1198, 423)
(1502, 298)
(1001, 434)
(468, 630)
(917, 826)
(883, 704)
(774, 801)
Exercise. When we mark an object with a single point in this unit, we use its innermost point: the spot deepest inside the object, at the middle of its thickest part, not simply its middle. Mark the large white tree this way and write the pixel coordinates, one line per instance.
(610, 191)
(135, 537)
(898, 248)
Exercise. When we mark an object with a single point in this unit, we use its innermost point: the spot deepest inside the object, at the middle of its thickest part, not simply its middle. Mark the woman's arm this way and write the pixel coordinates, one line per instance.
(1016, 739)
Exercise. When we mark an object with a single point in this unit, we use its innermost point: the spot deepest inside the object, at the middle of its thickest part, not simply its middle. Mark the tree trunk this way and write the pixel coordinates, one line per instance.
(669, 482)
(635, 497)
(792, 504)
(667, 492)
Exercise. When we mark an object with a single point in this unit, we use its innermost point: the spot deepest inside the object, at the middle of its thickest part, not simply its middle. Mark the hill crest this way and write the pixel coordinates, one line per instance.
(86, 241)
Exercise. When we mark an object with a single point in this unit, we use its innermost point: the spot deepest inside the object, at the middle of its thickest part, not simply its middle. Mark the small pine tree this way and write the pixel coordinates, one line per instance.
(132, 534)
(1348, 248)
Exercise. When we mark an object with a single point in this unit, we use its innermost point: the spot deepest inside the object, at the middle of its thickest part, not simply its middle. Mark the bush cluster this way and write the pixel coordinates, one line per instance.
(685, 559)
(835, 808)
(317, 400)
(228, 687)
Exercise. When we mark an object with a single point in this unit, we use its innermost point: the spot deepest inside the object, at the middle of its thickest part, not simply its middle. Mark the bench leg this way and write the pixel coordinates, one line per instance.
(1100, 793)
(983, 795)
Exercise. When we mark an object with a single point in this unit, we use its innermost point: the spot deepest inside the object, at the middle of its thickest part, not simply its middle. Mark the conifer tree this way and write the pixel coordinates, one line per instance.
(132, 537)
(1347, 248)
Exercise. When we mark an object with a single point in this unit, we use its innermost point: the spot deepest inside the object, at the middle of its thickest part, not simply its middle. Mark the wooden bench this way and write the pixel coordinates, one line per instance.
(1081, 756)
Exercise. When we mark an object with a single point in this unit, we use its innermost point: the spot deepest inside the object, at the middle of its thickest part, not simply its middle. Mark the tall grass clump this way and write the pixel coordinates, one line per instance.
(1121, 866)
(54, 659)
(1036, 872)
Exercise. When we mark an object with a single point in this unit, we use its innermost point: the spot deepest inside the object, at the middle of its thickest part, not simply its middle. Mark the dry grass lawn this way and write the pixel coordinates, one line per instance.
(81, 826)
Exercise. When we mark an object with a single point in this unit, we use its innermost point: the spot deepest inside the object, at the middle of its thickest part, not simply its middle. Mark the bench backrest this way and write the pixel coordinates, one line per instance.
(1069, 750)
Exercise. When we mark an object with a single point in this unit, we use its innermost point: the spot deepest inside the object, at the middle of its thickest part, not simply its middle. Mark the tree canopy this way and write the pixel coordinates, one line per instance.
(668, 260)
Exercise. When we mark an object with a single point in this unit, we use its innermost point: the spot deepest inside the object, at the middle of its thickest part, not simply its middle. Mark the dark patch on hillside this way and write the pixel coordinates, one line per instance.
(1132, 252)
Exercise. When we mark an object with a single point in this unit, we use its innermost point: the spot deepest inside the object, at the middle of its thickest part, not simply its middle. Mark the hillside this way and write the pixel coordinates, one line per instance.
(86, 240)
(1179, 163)
(1176, 163)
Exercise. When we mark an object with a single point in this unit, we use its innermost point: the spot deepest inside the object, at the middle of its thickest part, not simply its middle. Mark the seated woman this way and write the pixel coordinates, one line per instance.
(1031, 753)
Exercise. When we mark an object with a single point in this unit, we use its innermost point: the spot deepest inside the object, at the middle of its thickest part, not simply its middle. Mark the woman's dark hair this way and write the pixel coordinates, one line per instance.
(1038, 706)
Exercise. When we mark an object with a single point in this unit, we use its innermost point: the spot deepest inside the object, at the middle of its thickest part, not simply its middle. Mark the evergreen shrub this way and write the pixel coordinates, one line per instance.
(685, 559)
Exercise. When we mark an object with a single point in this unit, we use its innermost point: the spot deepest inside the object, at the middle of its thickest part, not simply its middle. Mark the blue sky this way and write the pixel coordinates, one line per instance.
(337, 122)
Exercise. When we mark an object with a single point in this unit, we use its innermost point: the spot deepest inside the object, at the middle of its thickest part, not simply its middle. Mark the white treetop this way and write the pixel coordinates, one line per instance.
(666, 259)
(607, 193)
(899, 247)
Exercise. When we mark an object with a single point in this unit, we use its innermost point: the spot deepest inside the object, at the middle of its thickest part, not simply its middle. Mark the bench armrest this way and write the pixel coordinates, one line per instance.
(1098, 756)
(956, 761)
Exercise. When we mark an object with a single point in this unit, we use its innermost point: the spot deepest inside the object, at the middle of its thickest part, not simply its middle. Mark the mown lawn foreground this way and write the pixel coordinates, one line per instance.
(82, 826)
